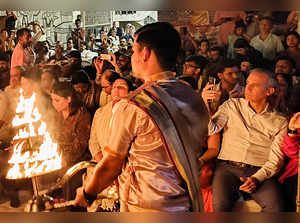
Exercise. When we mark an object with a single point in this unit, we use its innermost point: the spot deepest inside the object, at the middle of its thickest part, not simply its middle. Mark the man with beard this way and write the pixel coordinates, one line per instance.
(194, 66)
(23, 54)
(228, 87)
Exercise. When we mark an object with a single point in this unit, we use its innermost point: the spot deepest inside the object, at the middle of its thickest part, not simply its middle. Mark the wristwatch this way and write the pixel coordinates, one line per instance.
(89, 198)
(292, 132)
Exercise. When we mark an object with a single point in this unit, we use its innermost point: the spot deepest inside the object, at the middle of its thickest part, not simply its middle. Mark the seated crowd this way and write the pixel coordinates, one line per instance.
(250, 90)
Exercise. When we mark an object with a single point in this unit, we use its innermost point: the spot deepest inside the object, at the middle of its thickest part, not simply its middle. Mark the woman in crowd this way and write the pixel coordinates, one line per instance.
(73, 123)
(120, 88)
(72, 131)
(242, 48)
(100, 128)
(290, 148)
(89, 91)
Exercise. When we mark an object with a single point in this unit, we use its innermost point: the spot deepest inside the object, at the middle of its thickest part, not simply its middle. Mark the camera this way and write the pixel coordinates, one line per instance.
(105, 57)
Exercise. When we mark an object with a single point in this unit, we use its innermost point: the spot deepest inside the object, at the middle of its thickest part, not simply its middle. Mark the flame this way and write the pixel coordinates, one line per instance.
(37, 160)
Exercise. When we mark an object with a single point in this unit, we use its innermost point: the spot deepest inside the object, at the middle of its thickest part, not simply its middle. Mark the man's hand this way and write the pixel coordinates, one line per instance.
(249, 185)
(99, 65)
(79, 199)
(208, 94)
(295, 122)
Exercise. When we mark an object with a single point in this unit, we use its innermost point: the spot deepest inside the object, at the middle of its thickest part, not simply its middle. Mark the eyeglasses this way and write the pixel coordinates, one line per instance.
(190, 65)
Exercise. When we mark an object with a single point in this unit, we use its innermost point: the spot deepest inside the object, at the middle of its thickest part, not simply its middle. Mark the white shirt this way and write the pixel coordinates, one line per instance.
(250, 137)
(269, 47)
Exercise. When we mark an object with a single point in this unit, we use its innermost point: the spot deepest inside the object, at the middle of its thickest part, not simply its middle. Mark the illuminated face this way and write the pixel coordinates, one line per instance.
(204, 47)
(190, 68)
(239, 31)
(292, 41)
(25, 39)
(214, 55)
(230, 75)
(26, 84)
(70, 44)
(246, 66)
(283, 66)
(81, 88)
(119, 89)
(256, 88)
(265, 26)
(60, 103)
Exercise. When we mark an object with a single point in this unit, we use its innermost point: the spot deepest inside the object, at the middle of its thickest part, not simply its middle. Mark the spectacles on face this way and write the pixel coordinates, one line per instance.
(190, 65)
(120, 87)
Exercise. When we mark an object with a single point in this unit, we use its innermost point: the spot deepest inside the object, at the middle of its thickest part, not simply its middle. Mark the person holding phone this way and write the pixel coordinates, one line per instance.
(214, 94)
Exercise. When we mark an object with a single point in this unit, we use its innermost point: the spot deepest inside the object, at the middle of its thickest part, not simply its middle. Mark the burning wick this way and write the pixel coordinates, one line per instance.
(34, 151)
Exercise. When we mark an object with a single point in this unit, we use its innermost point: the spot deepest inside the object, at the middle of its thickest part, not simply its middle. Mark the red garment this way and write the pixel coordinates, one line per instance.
(291, 149)
(207, 199)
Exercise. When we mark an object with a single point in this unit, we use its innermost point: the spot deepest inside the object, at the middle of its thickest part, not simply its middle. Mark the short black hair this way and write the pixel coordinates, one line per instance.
(128, 82)
(21, 32)
(227, 63)
(189, 79)
(241, 43)
(202, 41)
(217, 48)
(200, 61)
(113, 77)
(288, 58)
(292, 33)
(80, 76)
(65, 89)
(163, 39)
(269, 18)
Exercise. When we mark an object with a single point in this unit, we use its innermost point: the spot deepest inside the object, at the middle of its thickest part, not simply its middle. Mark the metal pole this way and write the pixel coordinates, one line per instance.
(35, 186)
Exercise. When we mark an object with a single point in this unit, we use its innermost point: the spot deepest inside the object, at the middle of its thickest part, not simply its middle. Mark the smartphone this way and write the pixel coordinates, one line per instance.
(105, 57)
(212, 80)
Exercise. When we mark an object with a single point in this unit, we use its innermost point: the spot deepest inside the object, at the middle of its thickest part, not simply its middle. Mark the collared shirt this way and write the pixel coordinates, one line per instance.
(99, 129)
(104, 98)
(268, 47)
(250, 137)
(236, 92)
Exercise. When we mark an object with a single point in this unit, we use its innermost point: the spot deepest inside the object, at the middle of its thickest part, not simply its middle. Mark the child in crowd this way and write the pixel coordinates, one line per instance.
(239, 32)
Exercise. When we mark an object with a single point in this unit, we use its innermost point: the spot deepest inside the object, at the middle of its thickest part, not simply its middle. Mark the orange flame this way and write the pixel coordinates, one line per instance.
(36, 161)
